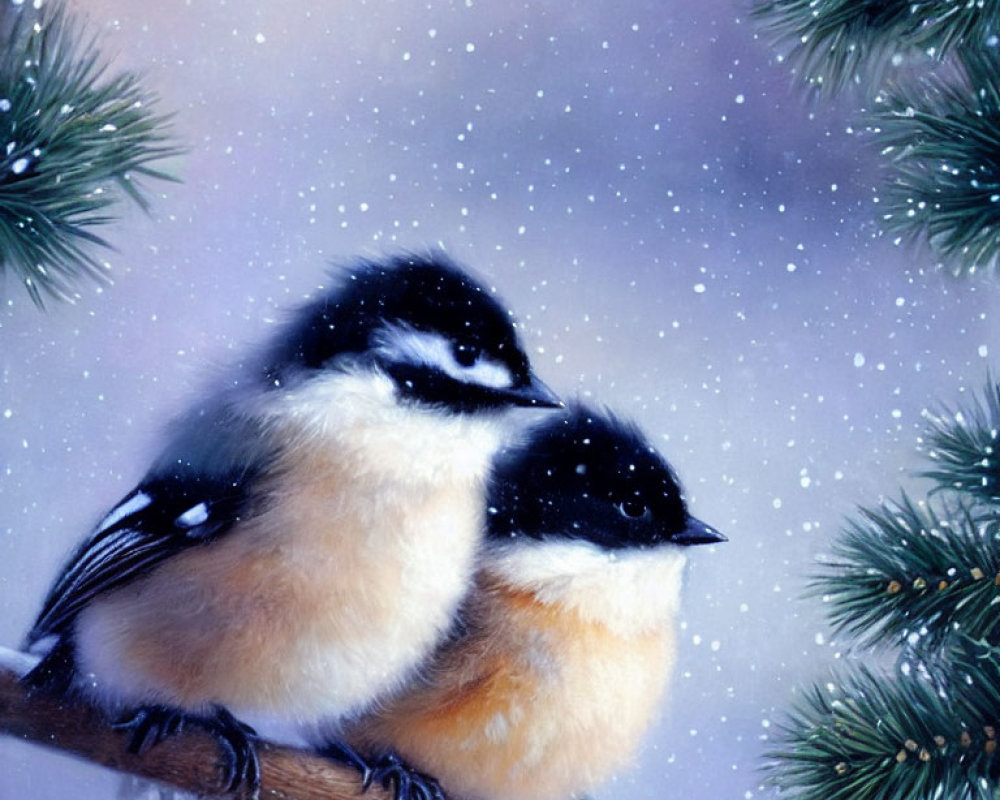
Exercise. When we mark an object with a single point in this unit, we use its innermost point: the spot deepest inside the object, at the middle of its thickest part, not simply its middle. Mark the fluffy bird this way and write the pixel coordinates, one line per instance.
(567, 640)
(310, 526)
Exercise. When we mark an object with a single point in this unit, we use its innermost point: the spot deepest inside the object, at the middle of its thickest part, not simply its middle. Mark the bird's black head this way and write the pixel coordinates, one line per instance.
(442, 337)
(587, 475)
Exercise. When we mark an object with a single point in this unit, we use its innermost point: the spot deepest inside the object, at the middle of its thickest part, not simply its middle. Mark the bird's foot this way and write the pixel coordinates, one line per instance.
(343, 753)
(150, 725)
(408, 783)
(389, 771)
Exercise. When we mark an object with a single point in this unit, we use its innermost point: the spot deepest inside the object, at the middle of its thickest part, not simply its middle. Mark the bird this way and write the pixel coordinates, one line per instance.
(568, 636)
(302, 540)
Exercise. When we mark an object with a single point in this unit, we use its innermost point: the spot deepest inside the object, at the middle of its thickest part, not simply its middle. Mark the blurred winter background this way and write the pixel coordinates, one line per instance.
(684, 237)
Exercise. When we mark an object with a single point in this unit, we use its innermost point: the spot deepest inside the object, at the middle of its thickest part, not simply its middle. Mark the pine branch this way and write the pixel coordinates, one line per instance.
(836, 43)
(72, 145)
(904, 574)
(923, 578)
(873, 738)
(962, 442)
(186, 761)
(941, 137)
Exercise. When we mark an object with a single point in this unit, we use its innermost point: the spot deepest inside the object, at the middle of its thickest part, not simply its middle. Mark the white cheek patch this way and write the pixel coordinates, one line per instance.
(629, 590)
(406, 345)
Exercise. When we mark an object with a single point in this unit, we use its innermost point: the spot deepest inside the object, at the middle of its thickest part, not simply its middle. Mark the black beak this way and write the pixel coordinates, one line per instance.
(697, 532)
(533, 393)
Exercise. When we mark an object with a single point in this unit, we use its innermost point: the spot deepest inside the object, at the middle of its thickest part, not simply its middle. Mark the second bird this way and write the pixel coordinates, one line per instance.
(566, 643)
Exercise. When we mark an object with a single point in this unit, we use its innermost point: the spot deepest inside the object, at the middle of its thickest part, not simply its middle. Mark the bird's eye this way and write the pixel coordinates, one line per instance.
(633, 509)
(465, 354)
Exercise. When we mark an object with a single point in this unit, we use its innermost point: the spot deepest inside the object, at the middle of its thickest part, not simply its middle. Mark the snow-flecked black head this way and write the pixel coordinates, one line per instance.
(442, 337)
(589, 476)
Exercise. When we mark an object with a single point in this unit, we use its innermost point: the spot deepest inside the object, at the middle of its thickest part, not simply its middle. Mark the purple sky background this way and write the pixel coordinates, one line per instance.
(684, 236)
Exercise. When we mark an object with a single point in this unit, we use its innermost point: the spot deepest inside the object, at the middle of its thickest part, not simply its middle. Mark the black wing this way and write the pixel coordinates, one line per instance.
(158, 519)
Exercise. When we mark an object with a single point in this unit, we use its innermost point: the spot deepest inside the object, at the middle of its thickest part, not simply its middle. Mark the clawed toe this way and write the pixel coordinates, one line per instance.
(150, 725)
(409, 784)
(347, 755)
(389, 771)
(243, 767)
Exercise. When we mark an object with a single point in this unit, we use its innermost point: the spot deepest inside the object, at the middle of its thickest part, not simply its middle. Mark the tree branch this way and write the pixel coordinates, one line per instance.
(188, 760)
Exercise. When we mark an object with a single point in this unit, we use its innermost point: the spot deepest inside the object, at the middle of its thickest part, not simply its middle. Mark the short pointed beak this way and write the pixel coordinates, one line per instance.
(534, 393)
(697, 532)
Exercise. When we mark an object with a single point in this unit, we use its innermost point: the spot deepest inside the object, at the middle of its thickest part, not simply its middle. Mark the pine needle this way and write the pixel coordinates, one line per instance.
(962, 443)
(921, 580)
(906, 575)
(941, 140)
(73, 143)
(834, 44)
(871, 737)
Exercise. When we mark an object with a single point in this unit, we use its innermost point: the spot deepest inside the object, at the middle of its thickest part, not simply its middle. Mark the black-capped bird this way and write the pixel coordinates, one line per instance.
(304, 537)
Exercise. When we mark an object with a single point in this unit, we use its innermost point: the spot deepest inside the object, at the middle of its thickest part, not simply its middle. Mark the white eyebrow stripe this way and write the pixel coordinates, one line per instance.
(421, 347)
